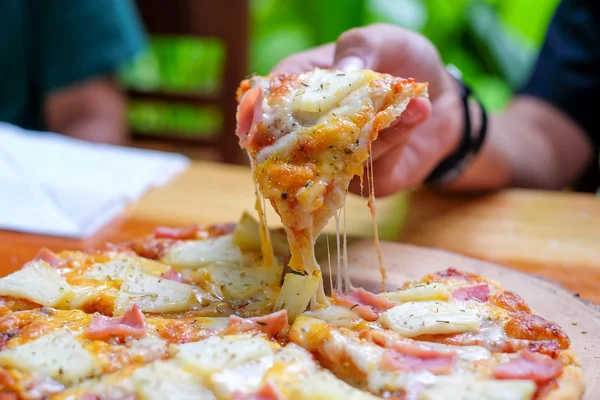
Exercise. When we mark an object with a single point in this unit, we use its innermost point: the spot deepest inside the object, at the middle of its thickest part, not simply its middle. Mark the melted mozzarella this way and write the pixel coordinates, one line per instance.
(153, 294)
(433, 291)
(37, 282)
(430, 318)
(162, 380)
(195, 253)
(466, 389)
(57, 355)
(325, 386)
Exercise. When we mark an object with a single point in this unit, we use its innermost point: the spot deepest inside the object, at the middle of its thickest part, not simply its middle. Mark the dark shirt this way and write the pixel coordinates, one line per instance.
(49, 45)
(567, 73)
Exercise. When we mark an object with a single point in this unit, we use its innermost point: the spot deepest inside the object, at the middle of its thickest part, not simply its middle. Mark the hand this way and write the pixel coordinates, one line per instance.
(428, 131)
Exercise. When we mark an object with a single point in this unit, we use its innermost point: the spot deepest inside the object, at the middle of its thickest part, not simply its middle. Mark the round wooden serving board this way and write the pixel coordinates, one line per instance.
(579, 319)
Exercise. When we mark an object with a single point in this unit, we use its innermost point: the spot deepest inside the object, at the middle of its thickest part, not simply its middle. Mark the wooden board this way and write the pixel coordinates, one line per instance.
(581, 320)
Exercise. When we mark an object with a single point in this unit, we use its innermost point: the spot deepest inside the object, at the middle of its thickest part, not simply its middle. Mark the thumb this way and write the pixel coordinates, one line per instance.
(354, 50)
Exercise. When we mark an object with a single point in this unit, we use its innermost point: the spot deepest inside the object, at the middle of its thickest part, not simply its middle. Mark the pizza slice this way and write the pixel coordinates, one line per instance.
(307, 136)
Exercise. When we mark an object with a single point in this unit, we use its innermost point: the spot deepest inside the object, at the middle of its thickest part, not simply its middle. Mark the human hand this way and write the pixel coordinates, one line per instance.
(428, 130)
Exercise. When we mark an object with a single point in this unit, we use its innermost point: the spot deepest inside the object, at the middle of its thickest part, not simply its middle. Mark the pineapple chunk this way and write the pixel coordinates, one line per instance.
(114, 270)
(37, 282)
(323, 385)
(433, 291)
(154, 295)
(325, 89)
(195, 253)
(241, 282)
(57, 355)
(161, 380)
(296, 292)
(244, 378)
(81, 295)
(216, 353)
(430, 318)
(247, 237)
(466, 389)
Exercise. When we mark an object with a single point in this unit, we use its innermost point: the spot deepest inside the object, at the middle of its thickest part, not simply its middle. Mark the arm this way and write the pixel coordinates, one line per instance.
(531, 144)
(93, 110)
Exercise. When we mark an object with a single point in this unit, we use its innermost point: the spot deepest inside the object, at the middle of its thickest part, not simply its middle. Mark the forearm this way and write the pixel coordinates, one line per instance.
(530, 144)
(94, 111)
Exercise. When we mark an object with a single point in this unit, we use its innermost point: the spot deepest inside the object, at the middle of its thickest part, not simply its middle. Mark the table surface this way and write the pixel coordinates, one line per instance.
(553, 234)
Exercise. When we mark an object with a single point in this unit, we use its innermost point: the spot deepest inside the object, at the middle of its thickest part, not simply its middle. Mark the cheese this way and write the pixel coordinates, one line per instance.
(430, 318)
(456, 388)
(434, 291)
(324, 89)
(296, 293)
(161, 380)
(195, 253)
(114, 270)
(381, 381)
(294, 360)
(37, 282)
(239, 282)
(82, 295)
(154, 295)
(337, 316)
(215, 353)
(323, 385)
(57, 355)
(243, 378)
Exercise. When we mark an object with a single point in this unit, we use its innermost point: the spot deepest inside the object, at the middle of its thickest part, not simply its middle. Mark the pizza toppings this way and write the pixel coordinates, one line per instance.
(479, 292)
(526, 326)
(509, 301)
(364, 303)
(172, 275)
(131, 324)
(532, 366)
(270, 324)
(51, 258)
(164, 232)
(395, 360)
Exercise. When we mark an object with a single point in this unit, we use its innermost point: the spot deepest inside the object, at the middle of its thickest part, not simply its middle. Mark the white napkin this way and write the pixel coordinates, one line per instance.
(55, 185)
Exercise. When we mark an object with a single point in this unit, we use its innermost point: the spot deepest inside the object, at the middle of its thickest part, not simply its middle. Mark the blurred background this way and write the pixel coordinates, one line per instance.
(181, 89)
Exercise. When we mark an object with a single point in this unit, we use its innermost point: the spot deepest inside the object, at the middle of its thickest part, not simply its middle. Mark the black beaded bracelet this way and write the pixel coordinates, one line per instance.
(455, 164)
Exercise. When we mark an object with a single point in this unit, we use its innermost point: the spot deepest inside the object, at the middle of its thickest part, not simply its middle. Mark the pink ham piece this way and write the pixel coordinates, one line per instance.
(479, 292)
(249, 115)
(267, 392)
(51, 258)
(533, 366)
(395, 361)
(270, 324)
(131, 324)
(187, 232)
(92, 396)
(391, 340)
(367, 305)
(172, 275)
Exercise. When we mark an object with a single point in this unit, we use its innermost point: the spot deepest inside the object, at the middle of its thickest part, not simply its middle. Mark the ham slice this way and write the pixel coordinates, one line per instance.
(364, 303)
(391, 340)
(172, 275)
(533, 366)
(396, 361)
(131, 324)
(479, 292)
(249, 114)
(187, 232)
(51, 258)
(270, 324)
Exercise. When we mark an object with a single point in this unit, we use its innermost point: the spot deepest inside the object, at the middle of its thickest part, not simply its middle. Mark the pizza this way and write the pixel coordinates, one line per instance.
(239, 310)
(307, 136)
(192, 313)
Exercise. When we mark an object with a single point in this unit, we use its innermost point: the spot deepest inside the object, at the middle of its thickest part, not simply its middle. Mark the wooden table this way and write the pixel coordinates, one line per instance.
(556, 234)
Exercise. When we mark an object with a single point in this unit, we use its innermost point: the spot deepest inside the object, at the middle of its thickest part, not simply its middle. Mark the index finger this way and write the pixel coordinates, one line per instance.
(319, 57)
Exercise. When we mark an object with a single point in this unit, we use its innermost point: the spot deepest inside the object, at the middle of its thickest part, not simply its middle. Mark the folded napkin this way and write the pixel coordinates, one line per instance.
(55, 185)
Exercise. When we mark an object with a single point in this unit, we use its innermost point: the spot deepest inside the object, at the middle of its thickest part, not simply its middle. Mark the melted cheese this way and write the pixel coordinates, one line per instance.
(433, 291)
(465, 389)
(153, 294)
(244, 378)
(296, 293)
(325, 386)
(58, 355)
(36, 282)
(114, 270)
(215, 353)
(430, 318)
(195, 253)
(161, 380)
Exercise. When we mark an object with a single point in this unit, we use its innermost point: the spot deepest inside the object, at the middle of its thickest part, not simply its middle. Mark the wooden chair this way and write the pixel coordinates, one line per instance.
(226, 21)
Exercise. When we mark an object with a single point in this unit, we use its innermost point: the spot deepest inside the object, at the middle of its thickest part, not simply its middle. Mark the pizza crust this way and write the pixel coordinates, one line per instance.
(571, 384)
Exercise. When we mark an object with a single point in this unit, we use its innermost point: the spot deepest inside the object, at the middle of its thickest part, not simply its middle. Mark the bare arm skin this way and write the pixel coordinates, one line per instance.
(93, 110)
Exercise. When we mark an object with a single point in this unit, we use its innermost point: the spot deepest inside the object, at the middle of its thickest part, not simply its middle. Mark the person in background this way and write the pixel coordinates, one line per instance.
(548, 137)
(58, 60)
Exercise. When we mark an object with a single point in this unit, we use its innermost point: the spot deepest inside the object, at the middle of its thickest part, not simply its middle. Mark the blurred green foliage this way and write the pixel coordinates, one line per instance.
(493, 42)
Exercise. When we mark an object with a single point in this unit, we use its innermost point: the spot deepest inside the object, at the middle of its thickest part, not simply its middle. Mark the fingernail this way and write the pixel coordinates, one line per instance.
(352, 63)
